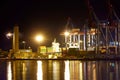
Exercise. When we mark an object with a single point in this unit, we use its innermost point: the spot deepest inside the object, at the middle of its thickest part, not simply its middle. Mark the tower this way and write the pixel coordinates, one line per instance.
(16, 39)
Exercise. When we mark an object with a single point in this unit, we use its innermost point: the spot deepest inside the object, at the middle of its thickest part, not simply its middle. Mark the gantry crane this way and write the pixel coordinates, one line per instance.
(96, 34)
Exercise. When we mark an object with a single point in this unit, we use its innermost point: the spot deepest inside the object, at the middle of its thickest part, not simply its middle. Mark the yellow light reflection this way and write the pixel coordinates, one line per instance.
(81, 72)
(67, 71)
(56, 73)
(9, 71)
(24, 71)
(39, 70)
(94, 72)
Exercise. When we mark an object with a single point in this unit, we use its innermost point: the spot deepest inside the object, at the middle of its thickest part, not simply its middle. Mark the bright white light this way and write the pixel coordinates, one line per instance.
(39, 70)
(8, 35)
(9, 71)
(66, 33)
(67, 71)
(39, 38)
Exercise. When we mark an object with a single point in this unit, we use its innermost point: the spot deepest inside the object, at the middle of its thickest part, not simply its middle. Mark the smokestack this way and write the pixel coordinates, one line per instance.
(16, 39)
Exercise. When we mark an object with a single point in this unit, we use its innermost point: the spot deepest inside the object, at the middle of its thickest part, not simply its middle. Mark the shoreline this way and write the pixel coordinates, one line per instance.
(85, 59)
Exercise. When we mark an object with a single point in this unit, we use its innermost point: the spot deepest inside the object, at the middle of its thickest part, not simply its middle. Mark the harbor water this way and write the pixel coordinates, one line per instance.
(59, 70)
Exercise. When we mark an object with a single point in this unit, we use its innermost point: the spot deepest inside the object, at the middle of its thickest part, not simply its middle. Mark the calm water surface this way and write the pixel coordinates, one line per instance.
(59, 70)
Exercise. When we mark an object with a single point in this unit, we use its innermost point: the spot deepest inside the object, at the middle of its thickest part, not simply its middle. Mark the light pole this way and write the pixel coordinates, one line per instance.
(66, 33)
(39, 38)
(24, 42)
(9, 35)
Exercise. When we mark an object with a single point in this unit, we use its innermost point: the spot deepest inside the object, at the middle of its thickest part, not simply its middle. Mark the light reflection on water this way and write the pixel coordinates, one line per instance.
(39, 70)
(56, 72)
(9, 71)
(67, 71)
(24, 68)
(81, 72)
(60, 70)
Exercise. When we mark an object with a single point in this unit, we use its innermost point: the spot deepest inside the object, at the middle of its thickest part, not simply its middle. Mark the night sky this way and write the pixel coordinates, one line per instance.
(46, 17)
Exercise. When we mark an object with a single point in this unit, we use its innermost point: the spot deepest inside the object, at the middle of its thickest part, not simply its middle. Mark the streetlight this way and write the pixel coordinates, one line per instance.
(24, 42)
(39, 38)
(66, 33)
(9, 35)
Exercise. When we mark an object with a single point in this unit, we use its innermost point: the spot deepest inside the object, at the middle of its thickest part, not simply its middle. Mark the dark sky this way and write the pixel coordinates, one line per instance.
(48, 17)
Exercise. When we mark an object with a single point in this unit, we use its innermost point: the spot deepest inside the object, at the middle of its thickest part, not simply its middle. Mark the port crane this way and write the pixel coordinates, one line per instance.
(106, 33)
(95, 34)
